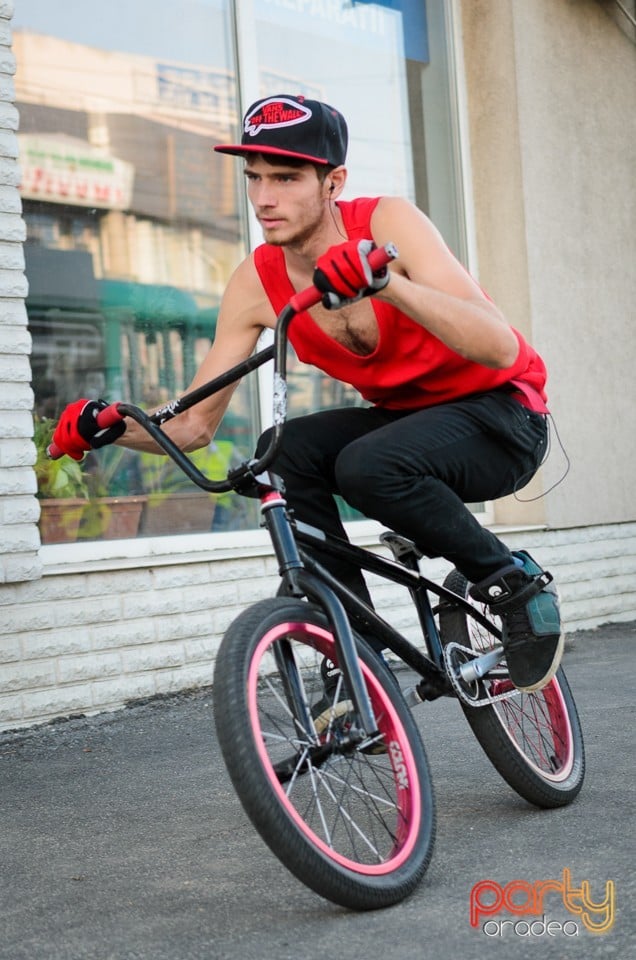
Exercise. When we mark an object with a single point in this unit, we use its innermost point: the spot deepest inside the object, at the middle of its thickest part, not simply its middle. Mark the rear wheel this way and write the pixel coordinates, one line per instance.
(533, 739)
(354, 822)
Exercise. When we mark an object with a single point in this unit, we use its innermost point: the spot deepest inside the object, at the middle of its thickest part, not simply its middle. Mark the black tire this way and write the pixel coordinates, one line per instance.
(355, 825)
(533, 740)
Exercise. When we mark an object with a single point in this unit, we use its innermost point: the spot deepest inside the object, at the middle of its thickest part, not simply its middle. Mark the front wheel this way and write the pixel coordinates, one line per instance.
(354, 822)
(533, 739)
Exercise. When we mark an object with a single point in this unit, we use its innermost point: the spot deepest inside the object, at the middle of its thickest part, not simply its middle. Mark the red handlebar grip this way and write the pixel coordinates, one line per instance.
(305, 299)
(378, 258)
(109, 416)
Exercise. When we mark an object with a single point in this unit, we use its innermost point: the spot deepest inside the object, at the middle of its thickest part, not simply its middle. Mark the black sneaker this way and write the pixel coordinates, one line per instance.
(334, 703)
(526, 599)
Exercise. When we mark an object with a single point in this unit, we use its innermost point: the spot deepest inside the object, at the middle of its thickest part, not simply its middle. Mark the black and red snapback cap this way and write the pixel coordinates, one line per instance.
(288, 126)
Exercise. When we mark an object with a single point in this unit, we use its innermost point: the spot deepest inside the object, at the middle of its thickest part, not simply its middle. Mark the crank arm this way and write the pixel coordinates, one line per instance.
(477, 669)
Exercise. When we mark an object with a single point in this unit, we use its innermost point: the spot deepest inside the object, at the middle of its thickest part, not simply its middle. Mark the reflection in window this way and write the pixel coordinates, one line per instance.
(132, 235)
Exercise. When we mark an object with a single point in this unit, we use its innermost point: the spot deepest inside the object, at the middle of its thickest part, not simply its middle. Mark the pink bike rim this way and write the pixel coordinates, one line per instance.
(409, 806)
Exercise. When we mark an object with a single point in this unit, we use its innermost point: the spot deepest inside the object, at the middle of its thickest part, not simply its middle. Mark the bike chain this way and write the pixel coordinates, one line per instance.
(460, 687)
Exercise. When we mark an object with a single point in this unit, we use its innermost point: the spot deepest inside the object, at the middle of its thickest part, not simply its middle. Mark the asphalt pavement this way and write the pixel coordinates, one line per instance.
(121, 839)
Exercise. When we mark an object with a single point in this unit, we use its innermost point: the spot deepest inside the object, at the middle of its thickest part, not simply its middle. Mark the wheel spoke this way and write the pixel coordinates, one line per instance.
(340, 813)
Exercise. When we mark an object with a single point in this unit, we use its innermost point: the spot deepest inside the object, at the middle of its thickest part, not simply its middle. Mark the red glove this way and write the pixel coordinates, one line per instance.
(78, 431)
(343, 274)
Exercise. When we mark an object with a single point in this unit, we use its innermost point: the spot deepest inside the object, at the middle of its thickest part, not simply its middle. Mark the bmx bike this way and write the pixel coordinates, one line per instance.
(347, 805)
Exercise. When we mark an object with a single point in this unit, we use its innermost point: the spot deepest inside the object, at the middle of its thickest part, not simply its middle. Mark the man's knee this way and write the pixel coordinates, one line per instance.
(295, 441)
(264, 441)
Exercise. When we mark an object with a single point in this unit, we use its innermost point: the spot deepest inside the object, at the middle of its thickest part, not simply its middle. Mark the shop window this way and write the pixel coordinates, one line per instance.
(132, 236)
(134, 225)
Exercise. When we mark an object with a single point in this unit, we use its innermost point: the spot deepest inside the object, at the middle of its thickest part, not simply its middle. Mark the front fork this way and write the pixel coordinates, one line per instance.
(298, 581)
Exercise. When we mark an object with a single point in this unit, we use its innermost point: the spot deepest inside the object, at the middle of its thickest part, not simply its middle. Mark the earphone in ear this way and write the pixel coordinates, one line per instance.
(331, 186)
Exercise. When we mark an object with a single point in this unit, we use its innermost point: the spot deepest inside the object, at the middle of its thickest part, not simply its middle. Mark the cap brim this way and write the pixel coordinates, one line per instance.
(241, 150)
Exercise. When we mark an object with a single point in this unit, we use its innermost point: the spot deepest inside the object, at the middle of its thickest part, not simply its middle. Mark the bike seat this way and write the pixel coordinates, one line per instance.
(400, 546)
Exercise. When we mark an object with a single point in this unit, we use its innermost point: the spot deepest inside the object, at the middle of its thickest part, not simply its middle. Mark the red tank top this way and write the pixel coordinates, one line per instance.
(409, 368)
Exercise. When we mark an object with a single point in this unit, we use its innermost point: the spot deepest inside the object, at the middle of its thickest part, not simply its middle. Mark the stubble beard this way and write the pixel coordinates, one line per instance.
(298, 240)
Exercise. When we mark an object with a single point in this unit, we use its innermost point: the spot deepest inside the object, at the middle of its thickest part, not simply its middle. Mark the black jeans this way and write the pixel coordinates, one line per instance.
(414, 472)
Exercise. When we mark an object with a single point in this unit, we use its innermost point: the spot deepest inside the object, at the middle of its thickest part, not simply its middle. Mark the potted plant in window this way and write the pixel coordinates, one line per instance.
(82, 500)
(111, 512)
(62, 489)
(174, 504)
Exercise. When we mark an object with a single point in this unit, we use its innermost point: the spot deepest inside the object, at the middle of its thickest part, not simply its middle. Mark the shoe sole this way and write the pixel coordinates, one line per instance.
(334, 712)
(554, 666)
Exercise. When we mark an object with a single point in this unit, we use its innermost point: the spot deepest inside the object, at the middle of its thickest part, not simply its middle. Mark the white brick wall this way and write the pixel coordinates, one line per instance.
(19, 510)
(87, 642)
